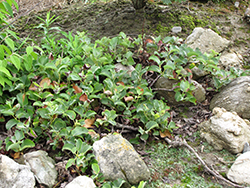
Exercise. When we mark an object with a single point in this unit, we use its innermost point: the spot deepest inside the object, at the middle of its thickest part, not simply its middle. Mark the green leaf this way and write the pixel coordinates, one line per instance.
(15, 147)
(95, 167)
(8, 8)
(22, 99)
(10, 43)
(27, 143)
(1, 53)
(79, 131)
(154, 68)
(151, 125)
(16, 61)
(178, 96)
(71, 114)
(119, 182)
(78, 144)
(29, 49)
(156, 59)
(5, 71)
(69, 147)
(11, 123)
(184, 85)
(74, 77)
(70, 163)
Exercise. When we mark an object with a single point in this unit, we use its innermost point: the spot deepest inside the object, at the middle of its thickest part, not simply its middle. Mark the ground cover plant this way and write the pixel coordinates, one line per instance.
(65, 92)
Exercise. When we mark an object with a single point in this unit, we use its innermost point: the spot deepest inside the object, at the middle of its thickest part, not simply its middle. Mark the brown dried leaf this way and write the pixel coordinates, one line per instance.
(16, 155)
(129, 98)
(120, 83)
(45, 82)
(166, 133)
(77, 89)
(89, 123)
(83, 97)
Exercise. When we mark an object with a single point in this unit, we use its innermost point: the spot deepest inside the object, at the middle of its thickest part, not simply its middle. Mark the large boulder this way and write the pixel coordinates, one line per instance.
(234, 97)
(81, 182)
(42, 166)
(226, 130)
(206, 40)
(240, 170)
(164, 83)
(14, 175)
(118, 159)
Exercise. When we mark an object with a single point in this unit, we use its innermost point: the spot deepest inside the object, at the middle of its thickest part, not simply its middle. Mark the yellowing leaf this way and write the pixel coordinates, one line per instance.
(33, 87)
(45, 82)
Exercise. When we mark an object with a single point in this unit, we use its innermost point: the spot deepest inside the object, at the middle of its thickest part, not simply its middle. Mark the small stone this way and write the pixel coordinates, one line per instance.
(176, 29)
(236, 4)
(81, 182)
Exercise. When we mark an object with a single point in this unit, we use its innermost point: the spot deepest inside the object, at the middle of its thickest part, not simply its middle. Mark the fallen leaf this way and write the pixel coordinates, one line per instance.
(83, 97)
(129, 98)
(45, 82)
(166, 133)
(16, 155)
(89, 123)
(77, 89)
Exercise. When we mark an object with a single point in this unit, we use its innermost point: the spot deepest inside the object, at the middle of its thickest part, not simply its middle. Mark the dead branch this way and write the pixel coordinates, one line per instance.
(180, 142)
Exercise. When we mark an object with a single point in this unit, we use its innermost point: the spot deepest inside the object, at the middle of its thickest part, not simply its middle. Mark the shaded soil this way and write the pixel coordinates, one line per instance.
(109, 19)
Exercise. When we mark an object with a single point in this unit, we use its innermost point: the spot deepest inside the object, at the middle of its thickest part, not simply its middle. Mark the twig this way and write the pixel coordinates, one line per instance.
(179, 143)
(122, 126)
(152, 83)
(162, 89)
(20, 16)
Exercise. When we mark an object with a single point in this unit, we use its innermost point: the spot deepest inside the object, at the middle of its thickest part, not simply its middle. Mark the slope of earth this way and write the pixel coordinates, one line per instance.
(175, 167)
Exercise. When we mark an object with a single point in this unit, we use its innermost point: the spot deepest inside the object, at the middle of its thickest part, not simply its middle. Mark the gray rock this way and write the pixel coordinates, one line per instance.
(234, 97)
(198, 73)
(162, 82)
(14, 175)
(226, 130)
(81, 182)
(205, 40)
(228, 60)
(42, 166)
(240, 170)
(118, 159)
(246, 147)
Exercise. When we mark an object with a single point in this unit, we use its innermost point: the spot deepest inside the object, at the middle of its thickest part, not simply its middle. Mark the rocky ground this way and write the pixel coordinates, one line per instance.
(108, 19)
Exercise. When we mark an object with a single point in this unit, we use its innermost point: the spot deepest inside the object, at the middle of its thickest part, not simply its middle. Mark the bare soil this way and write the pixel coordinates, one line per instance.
(108, 19)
